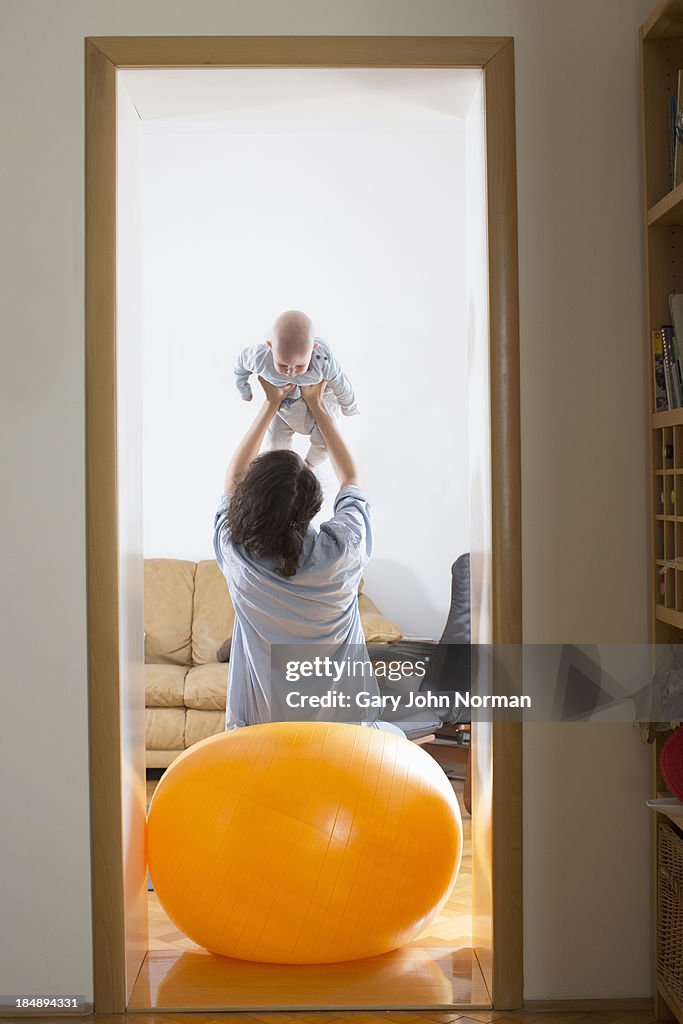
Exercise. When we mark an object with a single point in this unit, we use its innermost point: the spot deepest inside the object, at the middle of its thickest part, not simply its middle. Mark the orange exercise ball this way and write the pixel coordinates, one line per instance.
(303, 842)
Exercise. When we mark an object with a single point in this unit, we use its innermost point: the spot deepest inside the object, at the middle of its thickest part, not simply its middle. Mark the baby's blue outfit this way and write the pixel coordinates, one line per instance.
(323, 366)
(293, 415)
(318, 605)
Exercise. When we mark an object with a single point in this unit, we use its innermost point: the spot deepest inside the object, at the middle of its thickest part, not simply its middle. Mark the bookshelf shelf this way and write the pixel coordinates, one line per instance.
(669, 806)
(668, 210)
(672, 418)
(665, 22)
(661, 58)
(670, 616)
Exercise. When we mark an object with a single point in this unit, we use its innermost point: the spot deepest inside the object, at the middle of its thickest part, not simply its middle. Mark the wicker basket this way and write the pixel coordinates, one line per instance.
(670, 909)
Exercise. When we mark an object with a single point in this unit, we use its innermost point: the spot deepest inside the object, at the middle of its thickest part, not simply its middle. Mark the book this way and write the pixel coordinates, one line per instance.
(671, 365)
(678, 152)
(678, 372)
(672, 135)
(676, 308)
(661, 400)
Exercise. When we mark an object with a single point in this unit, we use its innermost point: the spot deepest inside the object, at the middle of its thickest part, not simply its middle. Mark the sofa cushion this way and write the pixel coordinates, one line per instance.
(165, 728)
(375, 627)
(201, 724)
(169, 596)
(160, 758)
(206, 687)
(165, 686)
(214, 616)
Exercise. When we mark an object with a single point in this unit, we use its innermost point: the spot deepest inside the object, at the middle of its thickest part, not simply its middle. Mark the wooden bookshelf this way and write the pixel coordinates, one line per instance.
(661, 58)
(661, 50)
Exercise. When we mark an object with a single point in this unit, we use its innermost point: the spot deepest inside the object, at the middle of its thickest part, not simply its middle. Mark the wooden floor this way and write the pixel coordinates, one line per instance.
(471, 1017)
(166, 941)
(438, 970)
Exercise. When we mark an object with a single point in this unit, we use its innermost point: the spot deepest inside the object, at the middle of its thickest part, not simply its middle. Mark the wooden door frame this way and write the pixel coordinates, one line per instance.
(104, 56)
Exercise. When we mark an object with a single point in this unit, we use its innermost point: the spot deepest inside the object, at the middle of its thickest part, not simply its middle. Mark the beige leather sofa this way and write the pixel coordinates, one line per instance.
(188, 617)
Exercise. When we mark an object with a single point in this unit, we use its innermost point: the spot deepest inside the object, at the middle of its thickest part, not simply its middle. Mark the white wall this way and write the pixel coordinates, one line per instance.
(130, 532)
(363, 227)
(585, 574)
(478, 359)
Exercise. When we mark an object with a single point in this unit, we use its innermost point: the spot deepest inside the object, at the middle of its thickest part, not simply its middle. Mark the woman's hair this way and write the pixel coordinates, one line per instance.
(272, 506)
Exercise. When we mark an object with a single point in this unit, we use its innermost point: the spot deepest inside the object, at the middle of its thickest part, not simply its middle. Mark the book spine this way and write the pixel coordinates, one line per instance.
(662, 397)
(677, 365)
(670, 364)
(672, 151)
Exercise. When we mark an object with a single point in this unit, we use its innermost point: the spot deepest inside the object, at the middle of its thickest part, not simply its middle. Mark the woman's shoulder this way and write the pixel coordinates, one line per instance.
(351, 500)
(348, 534)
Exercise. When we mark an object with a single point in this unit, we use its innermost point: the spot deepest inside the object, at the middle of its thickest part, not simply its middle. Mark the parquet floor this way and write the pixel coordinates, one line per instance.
(471, 1017)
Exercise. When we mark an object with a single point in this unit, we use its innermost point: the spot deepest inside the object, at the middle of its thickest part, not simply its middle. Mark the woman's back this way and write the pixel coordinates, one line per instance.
(316, 606)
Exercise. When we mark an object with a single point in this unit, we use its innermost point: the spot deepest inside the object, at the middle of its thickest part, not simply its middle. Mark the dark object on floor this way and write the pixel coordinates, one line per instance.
(450, 670)
(450, 661)
(223, 653)
(450, 666)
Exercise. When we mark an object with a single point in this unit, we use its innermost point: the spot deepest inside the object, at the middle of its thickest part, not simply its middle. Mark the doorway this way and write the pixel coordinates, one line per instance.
(115, 573)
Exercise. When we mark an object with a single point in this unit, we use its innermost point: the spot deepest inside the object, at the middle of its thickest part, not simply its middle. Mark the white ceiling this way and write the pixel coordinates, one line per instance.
(315, 95)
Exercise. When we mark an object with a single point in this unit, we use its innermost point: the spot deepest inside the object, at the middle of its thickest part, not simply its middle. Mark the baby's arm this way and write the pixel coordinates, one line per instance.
(340, 385)
(245, 365)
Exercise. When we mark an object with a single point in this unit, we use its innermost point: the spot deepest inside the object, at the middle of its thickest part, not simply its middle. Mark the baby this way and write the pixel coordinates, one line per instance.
(294, 353)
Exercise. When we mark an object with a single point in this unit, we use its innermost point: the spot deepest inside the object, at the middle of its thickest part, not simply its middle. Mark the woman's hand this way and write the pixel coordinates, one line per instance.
(312, 393)
(274, 394)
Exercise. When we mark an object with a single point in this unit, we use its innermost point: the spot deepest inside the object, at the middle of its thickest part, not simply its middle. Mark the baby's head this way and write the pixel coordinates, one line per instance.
(292, 342)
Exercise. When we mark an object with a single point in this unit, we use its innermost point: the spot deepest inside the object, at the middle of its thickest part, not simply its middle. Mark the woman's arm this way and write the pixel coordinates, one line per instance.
(248, 448)
(340, 456)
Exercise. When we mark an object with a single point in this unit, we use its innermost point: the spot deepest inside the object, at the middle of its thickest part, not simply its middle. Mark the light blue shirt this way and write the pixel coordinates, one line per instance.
(318, 605)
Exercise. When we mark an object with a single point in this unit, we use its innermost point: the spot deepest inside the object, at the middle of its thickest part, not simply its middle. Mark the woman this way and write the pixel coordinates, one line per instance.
(290, 584)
